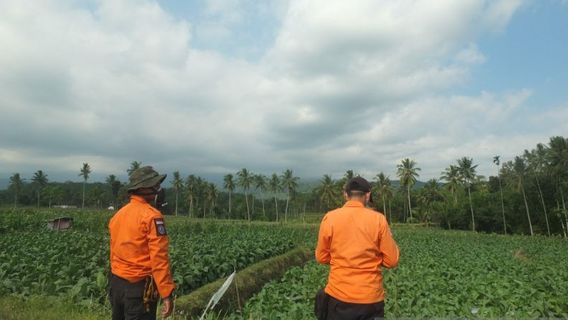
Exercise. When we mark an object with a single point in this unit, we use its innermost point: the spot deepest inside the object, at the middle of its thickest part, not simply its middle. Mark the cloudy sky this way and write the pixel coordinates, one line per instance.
(317, 86)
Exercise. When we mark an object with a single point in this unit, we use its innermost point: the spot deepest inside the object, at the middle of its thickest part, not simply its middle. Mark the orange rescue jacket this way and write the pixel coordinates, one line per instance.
(139, 245)
(356, 242)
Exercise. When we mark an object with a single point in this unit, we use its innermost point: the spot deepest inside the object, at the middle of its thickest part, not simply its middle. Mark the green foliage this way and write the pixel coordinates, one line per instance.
(444, 274)
(246, 283)
(75, 263)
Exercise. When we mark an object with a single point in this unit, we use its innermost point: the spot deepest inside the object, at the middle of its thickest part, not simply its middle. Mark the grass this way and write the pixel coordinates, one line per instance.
(48, 308)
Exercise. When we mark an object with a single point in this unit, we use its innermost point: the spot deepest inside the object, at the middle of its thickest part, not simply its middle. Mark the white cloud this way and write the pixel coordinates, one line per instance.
(345, 86)
(470, 55)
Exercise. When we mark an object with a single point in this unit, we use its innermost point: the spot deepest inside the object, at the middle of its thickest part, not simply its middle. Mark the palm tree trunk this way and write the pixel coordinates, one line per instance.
(38, 192)
(471, 208)
(83, 203)
(276, 208)
(502, 206)
(385, 207)
(543, 205)
(390, 212)
(404, 211)
(204, 207)
(527, 208)
(229, 204)
(564, 207)
(409, 205)
(177, 203)
(287, 201)
(16, 200)
(263, 210)
(253, 203)
(247, 201)
(191, 206)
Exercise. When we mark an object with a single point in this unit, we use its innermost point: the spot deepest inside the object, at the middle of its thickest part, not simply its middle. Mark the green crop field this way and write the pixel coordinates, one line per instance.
(74, 264)
(453, 274)
(445, 274)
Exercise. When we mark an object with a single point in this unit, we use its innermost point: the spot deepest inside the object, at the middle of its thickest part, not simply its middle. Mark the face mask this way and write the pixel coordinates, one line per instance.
(160, 199)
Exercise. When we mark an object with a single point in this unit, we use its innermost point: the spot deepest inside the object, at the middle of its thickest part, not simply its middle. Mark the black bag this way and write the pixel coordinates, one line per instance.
(320, 307)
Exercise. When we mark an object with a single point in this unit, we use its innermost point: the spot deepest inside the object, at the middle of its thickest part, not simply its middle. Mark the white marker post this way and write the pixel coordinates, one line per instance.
(219, 294)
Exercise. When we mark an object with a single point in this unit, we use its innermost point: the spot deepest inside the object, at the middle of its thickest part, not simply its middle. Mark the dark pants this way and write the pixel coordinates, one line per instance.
(339, 310)
(127, 300)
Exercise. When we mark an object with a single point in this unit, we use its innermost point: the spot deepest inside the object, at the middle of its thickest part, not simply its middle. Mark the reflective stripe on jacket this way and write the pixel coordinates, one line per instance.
(139, 245)
(356, 241)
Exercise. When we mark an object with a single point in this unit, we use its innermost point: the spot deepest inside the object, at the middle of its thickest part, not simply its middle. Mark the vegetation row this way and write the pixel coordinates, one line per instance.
(526, 194)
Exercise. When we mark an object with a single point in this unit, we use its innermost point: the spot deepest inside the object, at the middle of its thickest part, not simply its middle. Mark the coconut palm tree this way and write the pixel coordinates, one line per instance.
(349, 174)
(289, 184)
(326, 191)
(497, 162)
(274, 186)
(133, 166)
(244, 180)
(407, 173)
(200, 190)
(40, 180)
(452, 177)
(114, 187)
(429, 194)
(190, 187)
(557, 157)
(97, 194)
(260, 185)
(177, 184)
(84, 172)
(229, 185)
(467, 177)
(383, 185)
(211, 194)
(520, 171)
(16, 184)
(536, 163)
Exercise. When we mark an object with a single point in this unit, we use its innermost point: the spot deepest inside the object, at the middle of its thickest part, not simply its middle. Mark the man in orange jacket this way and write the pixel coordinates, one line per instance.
(140, 266)
(356, 242)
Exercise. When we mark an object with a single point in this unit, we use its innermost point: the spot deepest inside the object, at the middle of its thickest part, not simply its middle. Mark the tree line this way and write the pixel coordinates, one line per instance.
(526, 195)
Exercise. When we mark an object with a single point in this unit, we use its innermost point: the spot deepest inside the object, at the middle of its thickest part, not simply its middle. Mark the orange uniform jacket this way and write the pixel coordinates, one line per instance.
(139, 245)
(356, 241)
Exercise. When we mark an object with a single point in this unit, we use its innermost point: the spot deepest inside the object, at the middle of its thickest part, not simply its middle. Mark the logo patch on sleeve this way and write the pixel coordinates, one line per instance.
(160, 227)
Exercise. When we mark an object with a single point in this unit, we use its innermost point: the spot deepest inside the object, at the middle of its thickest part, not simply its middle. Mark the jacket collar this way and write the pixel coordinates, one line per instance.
(135, 198)
(353, 203)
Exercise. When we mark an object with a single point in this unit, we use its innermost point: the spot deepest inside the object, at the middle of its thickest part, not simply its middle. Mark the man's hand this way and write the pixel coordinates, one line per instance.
(167, 307)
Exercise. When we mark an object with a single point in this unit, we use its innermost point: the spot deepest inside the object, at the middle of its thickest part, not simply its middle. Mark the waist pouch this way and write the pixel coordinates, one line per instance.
(150, 293)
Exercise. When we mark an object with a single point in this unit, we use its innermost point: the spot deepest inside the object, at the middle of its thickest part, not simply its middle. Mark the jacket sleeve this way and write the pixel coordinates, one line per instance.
(388, 247)
(158, 247)
(324, 242)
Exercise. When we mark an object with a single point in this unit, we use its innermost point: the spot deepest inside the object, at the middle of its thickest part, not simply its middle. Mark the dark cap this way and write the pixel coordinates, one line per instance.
(358, 184)
(145, 177)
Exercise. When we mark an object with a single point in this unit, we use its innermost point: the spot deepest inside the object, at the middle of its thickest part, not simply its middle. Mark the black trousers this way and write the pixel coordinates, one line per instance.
(339, 310)
(127, 300)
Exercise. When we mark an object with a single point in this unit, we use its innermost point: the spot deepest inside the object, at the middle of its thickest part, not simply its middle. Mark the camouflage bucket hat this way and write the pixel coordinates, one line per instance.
(145, 177)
